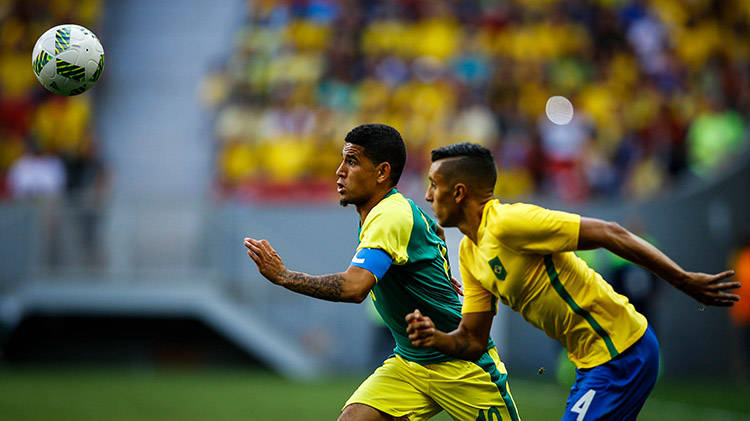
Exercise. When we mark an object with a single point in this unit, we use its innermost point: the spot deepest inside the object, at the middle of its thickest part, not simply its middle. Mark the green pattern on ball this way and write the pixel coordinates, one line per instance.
(62, 40)
(71, 71)
(99, 69)
(41, 59)
(77, 91)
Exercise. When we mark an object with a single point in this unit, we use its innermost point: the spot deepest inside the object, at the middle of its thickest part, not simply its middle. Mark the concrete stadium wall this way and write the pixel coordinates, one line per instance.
(696, 225)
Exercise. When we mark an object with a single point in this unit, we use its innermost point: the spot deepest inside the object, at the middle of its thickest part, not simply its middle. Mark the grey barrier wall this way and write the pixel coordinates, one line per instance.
(314, 240)
(177, 246)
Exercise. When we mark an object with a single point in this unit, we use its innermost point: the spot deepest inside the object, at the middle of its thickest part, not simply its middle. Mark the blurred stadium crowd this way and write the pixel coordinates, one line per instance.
(661, 90)
(47, 149)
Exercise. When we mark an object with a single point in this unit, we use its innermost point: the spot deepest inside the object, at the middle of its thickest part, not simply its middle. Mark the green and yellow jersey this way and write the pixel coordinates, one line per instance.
(417, 275)
(524, 256)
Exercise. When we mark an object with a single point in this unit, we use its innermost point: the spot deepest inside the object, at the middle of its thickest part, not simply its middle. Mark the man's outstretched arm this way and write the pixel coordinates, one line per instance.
(351, 285)
(706, 288)
(469, 341)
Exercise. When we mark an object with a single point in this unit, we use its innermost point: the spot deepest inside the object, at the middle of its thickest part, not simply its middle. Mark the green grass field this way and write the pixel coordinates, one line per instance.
(120, 394)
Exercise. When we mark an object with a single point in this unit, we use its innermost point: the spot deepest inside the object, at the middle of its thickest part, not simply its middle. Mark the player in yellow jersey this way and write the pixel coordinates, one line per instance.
(522, 255)
(400, 262)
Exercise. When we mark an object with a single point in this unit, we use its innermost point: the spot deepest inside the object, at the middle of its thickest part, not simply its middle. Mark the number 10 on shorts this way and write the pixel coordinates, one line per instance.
(583, 403)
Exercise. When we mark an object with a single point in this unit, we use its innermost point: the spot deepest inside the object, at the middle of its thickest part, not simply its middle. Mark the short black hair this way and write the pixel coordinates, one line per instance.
(381, 143)
(473, 165)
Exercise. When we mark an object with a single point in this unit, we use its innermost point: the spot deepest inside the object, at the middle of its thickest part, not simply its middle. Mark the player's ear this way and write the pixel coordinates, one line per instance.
(460, 192)
(384, 171)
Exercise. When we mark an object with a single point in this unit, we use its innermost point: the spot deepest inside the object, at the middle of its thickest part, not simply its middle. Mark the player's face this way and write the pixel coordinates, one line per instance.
(357, 176)
(440, 194)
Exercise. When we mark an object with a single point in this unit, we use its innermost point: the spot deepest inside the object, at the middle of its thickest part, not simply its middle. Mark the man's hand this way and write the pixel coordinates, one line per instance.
(469, 341)
(352, 285)
(420, 329)
(265, 257)
(706, 288)
(456, 284)
(710, 289)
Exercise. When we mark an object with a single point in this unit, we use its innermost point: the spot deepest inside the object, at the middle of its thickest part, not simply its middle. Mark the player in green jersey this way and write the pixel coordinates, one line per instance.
(401, 263)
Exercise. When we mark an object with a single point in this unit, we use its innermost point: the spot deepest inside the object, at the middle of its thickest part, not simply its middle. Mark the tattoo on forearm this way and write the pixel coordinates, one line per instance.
(460, 344)
(326, 287)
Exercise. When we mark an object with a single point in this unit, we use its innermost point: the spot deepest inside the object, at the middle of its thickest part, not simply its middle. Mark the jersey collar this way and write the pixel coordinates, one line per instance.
(483, 222)
(390, 193)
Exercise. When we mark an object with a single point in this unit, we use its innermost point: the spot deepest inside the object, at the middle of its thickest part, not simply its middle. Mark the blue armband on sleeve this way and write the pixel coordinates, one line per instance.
(375, 260)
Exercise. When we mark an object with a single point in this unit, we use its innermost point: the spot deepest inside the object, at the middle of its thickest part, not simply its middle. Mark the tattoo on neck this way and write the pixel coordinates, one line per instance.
(326, 287)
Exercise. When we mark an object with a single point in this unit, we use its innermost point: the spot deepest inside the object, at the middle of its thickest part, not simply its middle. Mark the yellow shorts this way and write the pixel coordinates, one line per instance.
(470, 391)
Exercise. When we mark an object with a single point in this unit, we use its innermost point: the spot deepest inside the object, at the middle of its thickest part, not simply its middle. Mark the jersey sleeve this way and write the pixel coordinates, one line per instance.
(533, 229)
(477, 299)
(388, 228)
(374, 260)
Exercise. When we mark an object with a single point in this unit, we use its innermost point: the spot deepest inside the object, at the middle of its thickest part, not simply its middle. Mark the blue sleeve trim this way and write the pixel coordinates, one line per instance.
(375, 260)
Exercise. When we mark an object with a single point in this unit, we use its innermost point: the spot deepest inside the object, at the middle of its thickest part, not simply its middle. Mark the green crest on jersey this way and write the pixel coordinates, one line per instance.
(62, 39)
(498, 269)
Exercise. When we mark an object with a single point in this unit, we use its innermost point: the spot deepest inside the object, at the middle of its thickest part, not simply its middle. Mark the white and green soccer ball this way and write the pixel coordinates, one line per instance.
(68, 59)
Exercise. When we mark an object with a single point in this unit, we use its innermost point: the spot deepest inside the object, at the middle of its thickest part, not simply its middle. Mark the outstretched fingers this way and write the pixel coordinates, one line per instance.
(261, 252)
(252, 243)
(724, 298)
(715, 290)
(718, 283)
(252, 250)
(257, 247)
(723, 286)
(265, 257)
(254, 256)
(721, 289)
(725, 274)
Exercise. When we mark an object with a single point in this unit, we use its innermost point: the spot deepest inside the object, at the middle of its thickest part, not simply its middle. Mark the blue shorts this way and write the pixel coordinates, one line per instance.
(617, 389)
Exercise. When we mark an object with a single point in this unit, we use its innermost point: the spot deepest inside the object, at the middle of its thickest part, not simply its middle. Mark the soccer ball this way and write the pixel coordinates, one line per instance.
(68, 59)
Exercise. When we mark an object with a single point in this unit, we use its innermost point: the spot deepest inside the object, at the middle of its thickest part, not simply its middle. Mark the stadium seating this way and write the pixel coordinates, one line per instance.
(654, 84)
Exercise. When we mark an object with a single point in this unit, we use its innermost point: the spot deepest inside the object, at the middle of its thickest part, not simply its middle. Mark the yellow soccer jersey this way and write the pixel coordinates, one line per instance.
(524, 257)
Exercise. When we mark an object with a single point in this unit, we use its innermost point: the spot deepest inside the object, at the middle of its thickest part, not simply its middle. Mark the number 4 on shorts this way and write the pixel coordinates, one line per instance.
(582, 405)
